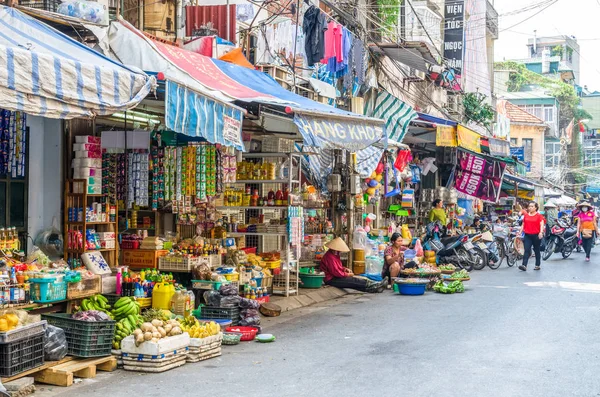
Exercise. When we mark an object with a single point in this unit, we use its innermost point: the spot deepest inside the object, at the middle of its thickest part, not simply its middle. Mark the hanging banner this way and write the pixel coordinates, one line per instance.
(479, 177)
(454, 24)
(499, 147)
(446, 136)
(468, 139)
(338, 133)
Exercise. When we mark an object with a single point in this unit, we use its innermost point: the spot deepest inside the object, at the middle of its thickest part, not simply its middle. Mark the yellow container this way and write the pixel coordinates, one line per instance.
(232, 276)
(162, 293)
(359, 255)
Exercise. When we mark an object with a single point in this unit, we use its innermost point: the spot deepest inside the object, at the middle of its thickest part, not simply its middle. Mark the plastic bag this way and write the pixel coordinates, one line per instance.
(50, 241)
(91, 315)
(212, 298)
(56, 347)
(87, 10)
(229, 289)
(250, 313)
(359, 238)
(249, 304)
(230, 301)
(250, 321)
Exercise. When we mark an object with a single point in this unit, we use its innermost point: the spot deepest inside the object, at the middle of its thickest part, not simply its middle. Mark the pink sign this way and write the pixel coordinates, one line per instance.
(479, 177)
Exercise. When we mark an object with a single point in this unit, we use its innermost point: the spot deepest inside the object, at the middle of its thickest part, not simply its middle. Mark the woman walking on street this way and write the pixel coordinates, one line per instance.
(587, 227)
(533, 229)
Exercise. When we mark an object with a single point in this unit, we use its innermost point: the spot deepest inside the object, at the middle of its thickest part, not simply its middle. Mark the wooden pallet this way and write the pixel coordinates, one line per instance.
(62, 374)
(47, 364)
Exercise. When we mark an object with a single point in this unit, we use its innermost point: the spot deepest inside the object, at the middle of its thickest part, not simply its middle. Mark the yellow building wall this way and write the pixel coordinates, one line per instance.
(520, 132)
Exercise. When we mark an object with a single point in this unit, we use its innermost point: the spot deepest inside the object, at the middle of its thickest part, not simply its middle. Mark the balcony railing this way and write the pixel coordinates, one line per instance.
(491, 20)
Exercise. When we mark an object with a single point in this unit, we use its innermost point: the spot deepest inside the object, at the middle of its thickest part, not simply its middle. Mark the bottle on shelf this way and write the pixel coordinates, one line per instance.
(271, 198)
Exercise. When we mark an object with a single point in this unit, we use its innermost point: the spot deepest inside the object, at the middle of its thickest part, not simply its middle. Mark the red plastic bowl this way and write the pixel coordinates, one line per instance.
(248, 333)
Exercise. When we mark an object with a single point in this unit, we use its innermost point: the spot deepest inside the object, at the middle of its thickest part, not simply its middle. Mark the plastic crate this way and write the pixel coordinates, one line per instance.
(177, 263)
(220, 313)
(277, 145)
(22, 354)
(46, 5)
(48, 290)
(23, 332)
(85, 338)
(86, 287)
(144, 302)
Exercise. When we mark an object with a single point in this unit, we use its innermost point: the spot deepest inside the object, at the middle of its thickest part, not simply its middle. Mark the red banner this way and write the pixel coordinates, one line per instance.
(479, 177)
(204, 70)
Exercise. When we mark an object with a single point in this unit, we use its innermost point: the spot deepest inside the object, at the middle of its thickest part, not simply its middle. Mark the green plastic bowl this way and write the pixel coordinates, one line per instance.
(311, 280)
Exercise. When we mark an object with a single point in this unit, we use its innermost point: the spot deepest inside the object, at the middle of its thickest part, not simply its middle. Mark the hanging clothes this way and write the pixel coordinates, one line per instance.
(314, 27)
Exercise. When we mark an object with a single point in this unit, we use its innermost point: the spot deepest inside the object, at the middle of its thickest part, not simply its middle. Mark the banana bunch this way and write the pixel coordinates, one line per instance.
(96, 302)
(187, 323)
(124, 307)
(125, 327)
(204, 330)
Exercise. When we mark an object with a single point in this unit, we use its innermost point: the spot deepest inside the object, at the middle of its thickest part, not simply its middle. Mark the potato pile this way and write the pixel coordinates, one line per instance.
(156, 330)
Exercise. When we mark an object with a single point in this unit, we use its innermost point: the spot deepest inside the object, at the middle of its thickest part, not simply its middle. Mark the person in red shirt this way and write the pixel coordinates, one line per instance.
(339, 276)
(533, 232)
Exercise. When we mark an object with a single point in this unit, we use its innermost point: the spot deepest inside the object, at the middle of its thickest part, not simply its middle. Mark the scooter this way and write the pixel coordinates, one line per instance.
(562, 238)
(455, 250)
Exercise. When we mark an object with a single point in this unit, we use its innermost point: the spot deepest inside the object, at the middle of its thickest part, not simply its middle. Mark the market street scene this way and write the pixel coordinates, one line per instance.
(287, 197)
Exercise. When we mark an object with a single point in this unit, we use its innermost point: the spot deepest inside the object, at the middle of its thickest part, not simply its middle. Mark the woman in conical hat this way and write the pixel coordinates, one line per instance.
(339, 276)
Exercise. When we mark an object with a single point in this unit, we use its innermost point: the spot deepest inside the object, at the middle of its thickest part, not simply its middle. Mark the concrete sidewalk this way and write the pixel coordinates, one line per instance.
(307, 297)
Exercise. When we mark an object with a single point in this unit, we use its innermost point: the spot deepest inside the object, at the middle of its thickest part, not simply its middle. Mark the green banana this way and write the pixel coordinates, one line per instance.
(102, 299)
(125, 300)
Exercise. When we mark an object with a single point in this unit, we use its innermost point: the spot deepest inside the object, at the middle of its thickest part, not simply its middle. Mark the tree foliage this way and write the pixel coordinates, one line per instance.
(564, 93)
(477, 110)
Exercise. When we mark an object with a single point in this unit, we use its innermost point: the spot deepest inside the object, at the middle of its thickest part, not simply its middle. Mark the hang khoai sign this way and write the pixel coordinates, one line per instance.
(337, 133)
(478, 176)
(446, 136)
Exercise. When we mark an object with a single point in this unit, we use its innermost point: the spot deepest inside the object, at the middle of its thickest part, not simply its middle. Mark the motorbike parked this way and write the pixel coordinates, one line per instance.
(562, 238)
(455, 250)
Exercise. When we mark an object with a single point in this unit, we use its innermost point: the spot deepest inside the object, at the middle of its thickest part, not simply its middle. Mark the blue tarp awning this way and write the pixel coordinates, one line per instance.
(44, 72)
(435, 120)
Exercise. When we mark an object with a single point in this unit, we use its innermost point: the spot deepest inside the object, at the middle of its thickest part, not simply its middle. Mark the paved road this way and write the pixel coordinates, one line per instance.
(510, 334)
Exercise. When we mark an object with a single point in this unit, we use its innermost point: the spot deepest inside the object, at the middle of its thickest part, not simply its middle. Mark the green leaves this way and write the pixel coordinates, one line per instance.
(477, 110)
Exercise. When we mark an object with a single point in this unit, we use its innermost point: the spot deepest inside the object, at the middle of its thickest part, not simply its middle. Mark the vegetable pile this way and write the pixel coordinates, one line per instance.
(460, 274)
(447, 267)
(455, 286)
(156, 330)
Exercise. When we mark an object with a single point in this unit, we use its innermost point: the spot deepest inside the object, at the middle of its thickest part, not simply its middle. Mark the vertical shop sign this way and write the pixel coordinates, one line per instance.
(232, 130)
(446, 136)
(454, 23)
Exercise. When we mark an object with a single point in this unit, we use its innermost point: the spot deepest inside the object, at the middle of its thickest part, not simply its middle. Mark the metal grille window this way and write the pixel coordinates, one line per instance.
(514, 142)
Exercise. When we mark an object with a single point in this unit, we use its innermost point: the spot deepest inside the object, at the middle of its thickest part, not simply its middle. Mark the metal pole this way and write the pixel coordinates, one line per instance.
(228, 23)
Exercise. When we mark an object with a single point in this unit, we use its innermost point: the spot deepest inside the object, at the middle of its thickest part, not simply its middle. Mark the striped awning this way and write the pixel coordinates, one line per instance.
(192, 114)
(46, 73)
(396, 113)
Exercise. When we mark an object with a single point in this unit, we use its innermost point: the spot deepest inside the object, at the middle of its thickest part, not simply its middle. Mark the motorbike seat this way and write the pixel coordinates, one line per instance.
(449, 240)
(570, 232)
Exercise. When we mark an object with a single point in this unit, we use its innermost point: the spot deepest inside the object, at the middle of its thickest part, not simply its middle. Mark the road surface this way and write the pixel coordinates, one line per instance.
(510, 334)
